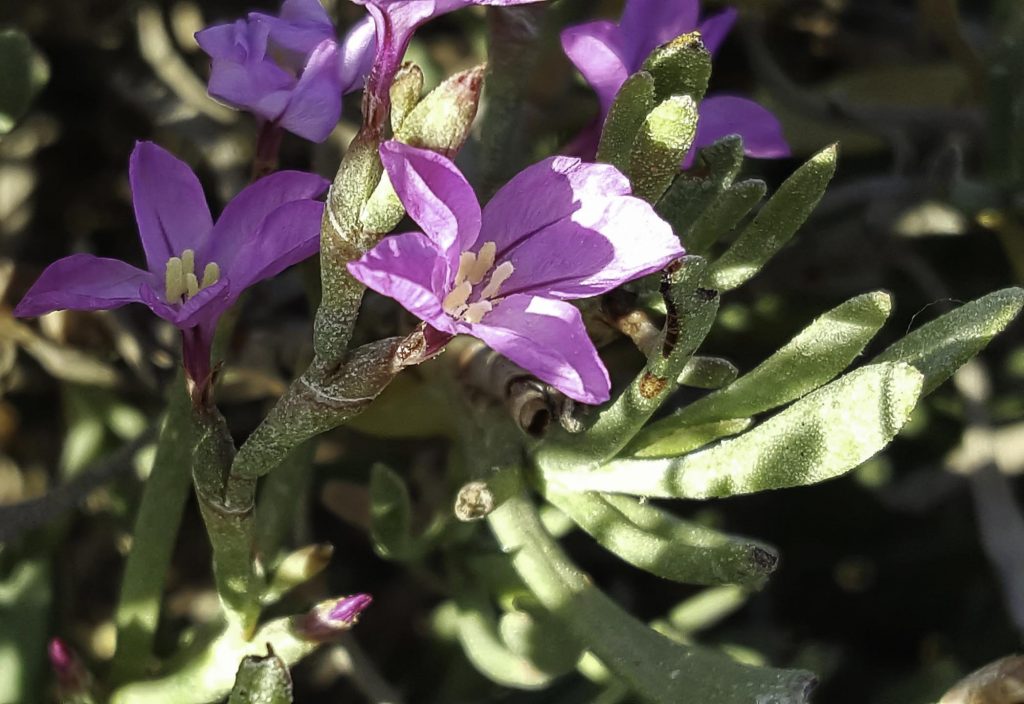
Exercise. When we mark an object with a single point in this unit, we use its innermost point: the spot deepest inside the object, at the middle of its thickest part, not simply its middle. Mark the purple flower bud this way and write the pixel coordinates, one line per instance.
(329, 618)
(72, 677)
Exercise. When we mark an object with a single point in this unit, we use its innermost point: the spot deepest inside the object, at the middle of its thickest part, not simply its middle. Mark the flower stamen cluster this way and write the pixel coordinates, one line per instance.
(180, 280)
(473, 269)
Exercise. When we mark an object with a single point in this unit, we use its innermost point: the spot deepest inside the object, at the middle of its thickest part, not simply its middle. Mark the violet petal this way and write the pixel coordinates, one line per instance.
(410, 269)
(315, 104)
(436, 196)
(290, 234)
(714, 29)
(170, 207)
(594, 48)
(723, 115)
(83, 282)
(548, 339)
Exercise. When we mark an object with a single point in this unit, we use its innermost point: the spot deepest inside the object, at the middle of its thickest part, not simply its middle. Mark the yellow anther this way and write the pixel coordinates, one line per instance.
(484, 262)
(467, 260)
(455, 300)
(475, 312)
(191, 285)
(500, 276)
(188, 261)
(211, 275)
(174, 281)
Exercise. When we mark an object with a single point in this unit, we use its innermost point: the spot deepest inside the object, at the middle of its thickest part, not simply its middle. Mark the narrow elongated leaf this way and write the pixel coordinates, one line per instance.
(633, 103)
(390, 513)
(671, 437)
(477, 631)
(776, 223)
(535, 635)
(694, 190)
(940, 347)
(657, 669)
(825, 434)
(262, 680)
(723, 214)
(812, 358)
(680, 67)
(665, 546)
(664, 138)
(708, 373)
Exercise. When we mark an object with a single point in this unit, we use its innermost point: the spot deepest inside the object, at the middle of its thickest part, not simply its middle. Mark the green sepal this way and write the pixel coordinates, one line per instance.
(262, 680)
(441, 121)
(776, 223)
(405, 93)
(680, 67)
(814, 357)
(664, 138)
(634, 101)
(823, 435)
(940, 347)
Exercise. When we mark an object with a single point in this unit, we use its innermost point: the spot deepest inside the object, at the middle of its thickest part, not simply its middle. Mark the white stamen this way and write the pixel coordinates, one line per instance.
(483, 264)
(475, 312)
(174, 281)
(457, 298)
(467, 260)
(211, 275)
(191, 285)
(500, 276)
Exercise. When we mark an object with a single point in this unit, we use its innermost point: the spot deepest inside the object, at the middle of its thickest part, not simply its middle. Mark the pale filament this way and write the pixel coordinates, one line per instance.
(473, 269)
(180, 280)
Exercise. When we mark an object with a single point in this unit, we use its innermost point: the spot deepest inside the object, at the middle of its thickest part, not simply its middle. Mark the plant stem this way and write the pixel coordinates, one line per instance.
(156, 529)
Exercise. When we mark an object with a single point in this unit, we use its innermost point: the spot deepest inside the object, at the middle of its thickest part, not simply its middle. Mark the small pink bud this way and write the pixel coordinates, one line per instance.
(331, 617)
(72, 677)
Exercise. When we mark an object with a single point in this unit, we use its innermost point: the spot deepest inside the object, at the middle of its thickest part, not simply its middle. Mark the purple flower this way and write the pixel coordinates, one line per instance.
(607, 54)
(196, 269)
(395, 21)
(559, 230)
(290, 70)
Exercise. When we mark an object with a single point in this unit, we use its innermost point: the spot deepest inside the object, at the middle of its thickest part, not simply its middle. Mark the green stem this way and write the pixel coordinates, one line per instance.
(658, 669)
(156, 529)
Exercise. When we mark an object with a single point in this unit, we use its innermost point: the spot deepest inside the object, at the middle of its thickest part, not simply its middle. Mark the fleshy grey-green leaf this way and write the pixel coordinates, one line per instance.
(940, 347)
(633, 103)
(722, 215)
(708, 373)
(694, 190)
(680, 67)
(776, 223)
(825, 434)
(665, 546)
(672, 437)
(814, 357)
(664, 138)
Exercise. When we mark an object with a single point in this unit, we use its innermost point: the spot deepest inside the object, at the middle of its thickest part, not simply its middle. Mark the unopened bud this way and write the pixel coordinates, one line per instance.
(329, 618)
(441, 121)
(405, 93)
(73, 679)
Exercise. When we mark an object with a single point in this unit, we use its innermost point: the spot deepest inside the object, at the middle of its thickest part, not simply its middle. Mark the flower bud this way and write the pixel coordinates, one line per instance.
(298, 568)
(329, 618)
(441, 121)
(73, 680)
